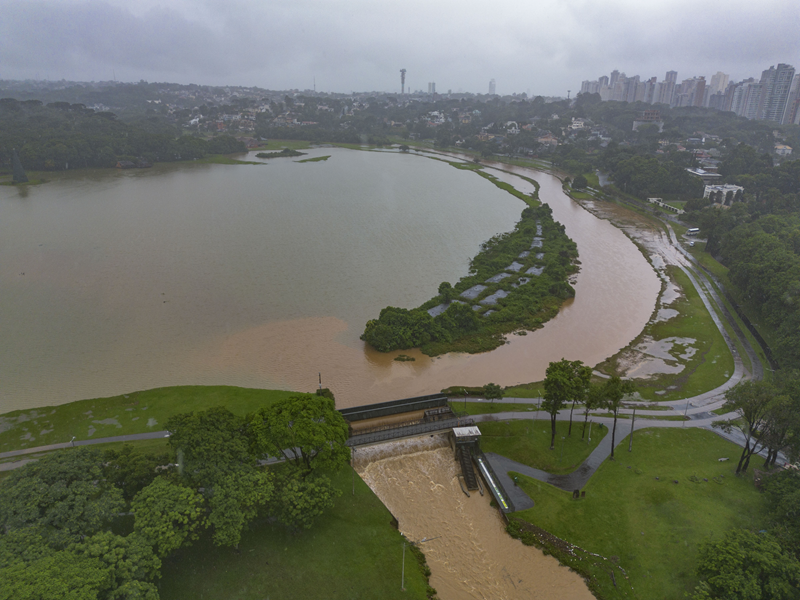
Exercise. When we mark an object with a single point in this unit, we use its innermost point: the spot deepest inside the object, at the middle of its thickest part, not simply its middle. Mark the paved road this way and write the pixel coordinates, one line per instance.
(7, 466)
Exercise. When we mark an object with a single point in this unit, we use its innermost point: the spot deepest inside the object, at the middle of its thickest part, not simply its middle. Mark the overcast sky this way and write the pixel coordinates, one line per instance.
(536, 46)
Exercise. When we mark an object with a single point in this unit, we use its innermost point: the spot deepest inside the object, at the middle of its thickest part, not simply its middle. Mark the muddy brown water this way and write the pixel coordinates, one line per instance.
(473, 556)
(256, 276)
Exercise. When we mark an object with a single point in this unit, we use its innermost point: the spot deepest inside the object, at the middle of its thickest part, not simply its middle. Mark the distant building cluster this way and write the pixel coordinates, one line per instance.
(773, 97)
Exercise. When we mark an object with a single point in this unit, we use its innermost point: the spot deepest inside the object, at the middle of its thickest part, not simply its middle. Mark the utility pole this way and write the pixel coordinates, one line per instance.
(633, 421)
(353, 464)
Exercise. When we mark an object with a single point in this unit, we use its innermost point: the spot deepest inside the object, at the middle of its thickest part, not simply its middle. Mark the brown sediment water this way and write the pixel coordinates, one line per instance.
(473, 556)
(265, 277)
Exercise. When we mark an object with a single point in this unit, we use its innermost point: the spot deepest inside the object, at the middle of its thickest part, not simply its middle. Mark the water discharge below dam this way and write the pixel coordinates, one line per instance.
(474, 557)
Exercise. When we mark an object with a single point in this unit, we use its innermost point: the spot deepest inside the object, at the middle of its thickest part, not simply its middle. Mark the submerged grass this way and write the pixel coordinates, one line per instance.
(710, 365)
(137, 412)
(636, 516)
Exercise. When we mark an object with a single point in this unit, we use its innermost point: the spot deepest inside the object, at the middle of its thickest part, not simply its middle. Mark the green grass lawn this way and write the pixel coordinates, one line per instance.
(528, 442)
(710, 365)
(486, 408)
(137, 412)
(652, 527)
(352, 552)
(534, 389)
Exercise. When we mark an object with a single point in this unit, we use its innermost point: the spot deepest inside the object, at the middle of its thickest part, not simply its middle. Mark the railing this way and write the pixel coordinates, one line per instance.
(407, 431)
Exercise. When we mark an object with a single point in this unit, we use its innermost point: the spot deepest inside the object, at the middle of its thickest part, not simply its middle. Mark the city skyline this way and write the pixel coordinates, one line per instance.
(353, 45)
(775, 96)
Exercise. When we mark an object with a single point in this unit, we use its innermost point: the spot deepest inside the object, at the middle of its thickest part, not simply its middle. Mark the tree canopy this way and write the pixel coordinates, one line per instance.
(305, 430)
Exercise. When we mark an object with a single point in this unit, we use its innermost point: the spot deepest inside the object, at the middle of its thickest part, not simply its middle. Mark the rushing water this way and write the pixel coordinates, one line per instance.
(264, 276)
(472, 557)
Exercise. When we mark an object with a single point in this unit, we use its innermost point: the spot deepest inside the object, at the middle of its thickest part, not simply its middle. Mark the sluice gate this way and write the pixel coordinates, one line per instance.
(466, 443)
(408, 417)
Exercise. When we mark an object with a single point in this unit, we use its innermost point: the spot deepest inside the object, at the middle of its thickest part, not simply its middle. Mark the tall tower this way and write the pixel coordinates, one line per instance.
(402, 81)
(491, 87)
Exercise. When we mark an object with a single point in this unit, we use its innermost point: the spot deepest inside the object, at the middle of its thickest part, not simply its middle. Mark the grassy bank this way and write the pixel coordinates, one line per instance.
(528, 442)
(137, 412)
(353, 551)
(710, 364)
(637, 517)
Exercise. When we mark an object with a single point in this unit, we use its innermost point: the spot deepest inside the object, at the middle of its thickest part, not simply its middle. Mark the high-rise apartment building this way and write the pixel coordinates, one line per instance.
(792, 113)
(491, 87)
(776, 83)
(719, 82)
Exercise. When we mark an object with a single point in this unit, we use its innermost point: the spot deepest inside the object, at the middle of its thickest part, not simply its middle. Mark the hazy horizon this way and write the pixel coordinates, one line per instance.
(354, 45)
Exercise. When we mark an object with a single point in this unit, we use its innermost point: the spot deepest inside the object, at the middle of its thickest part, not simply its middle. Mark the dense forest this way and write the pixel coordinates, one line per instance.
(60, 136)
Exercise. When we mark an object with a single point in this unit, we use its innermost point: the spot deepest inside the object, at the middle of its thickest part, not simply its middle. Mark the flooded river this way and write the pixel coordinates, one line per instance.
(264, 276)
(472, 557)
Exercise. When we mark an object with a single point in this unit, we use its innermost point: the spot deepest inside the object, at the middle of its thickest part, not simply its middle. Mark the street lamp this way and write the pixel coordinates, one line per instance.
(403, 572)
(72, 441)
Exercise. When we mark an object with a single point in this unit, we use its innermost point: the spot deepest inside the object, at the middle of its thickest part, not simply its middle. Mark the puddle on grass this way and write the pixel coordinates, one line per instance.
(473, 556)
(656, 357)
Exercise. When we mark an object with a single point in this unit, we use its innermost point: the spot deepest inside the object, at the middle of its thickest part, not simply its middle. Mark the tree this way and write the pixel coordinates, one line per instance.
(168, 516)
(582, 376)
(579, 182)
(559, 388)
(751, 400)
(782, 491)
(746, 566)
(235, 502)
(593, 400)
(614, 390)
(492, 391)
(300, 501)
(64, 493)
(446, 292)
(307, 431)
(130, 562)
(209, 444)
(104, 565)
(132, 471)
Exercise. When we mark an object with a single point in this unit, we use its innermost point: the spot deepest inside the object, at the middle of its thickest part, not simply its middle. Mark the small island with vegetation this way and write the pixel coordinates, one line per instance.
(283, 153)
(516, 283)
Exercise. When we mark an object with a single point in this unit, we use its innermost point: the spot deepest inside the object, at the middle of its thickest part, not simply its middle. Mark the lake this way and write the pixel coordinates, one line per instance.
(264, 276)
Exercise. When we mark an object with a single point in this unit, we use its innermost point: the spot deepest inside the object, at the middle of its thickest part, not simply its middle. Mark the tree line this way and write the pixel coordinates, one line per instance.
(86, 524)
(60, 136)
(759, 241)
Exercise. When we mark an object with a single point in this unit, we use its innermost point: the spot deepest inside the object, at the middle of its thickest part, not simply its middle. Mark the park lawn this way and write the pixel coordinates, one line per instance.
(489, 408)
(528, 442)
(710, 366)
(351, 552)
(137, 412)
(653, 527)
(525, 390)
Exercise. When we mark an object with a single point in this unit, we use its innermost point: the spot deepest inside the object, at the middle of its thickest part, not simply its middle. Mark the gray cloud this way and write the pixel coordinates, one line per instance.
(546, 47)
